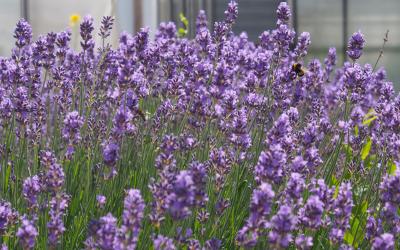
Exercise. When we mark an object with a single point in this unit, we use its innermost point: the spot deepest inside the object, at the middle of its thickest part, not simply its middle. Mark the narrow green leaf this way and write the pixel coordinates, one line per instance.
(348, 237)
(366, 148)
(364, 207)
(356, 130)
(182, 32)
(392, 168)
(184, 20)
(368, 121)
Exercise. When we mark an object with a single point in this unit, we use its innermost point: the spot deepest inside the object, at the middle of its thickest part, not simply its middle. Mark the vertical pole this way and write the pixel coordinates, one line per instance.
(172, 10)
(345, 27)
(24, 9)
(295, 19)
(138, 19)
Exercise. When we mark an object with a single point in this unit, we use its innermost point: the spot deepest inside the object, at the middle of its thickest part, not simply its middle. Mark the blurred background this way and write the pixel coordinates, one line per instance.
(329, 22)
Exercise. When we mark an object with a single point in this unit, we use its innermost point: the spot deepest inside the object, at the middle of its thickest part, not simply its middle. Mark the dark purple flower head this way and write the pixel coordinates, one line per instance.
(23, 33)
(8, 216)
(163, 243)
(169, 144)
(283, 13)
(342, 207)
(72, 125)
(330, 61)
(55, 177)
(213, 244)
(122, 122)
(304, 242)
(27, 234)
(294, 188)
(270, 165)
(385, 241)
(110, 154)
(182, 198)
(201, 21)
(86, 29)
(355, 45)
(55, 226)
(199, 175)
(103, 233)
(31, 190)
(260, 204)
(101, 200)
(132, 217)
(303, 43)
(106, 26)
(282, 225)
(231, 13)
(311, 214)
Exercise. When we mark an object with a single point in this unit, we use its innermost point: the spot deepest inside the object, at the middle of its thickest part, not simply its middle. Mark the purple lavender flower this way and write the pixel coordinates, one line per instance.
(283, 13)
(122, 122)
(342, 207)
(132, 216)
(303, 43)
(282, 225)
(54, 177)
(260, 207)
(294, 189)
(101, 201)
(270, 165)
(182, 197)
(27, 234)
(55, 226)
(102, 233)
(86, 29)
(385, 241)
(110, 153)
(106, 26)
(63, 38)
(213, 244)
(199, 175)
(304, 242)
(23, 33)
(31, 190)
(201, 21)
(163, 243)
(390, 198)
(330, 62)
(8, 216)
(355, 45)
(71, 131)
(311, 214)
(231, 13)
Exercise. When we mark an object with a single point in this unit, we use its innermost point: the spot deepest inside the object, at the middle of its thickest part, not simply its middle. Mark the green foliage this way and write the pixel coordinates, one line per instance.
(185, 30)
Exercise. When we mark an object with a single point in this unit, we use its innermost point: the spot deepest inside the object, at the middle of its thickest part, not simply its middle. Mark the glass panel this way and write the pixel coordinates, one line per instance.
(323, 19)
(9, 16)
(255, 16)
(373, 18)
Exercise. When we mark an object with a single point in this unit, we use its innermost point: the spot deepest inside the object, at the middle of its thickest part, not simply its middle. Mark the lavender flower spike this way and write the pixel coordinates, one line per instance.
(23, 33)
(132, 216)
(384, 242)
(27, 234)
(355, 45)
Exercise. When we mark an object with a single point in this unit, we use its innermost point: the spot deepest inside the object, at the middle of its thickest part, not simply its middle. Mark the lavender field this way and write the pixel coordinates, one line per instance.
(216, 142)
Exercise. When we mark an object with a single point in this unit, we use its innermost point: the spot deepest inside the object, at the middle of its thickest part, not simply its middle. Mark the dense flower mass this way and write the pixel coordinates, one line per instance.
(211, 142)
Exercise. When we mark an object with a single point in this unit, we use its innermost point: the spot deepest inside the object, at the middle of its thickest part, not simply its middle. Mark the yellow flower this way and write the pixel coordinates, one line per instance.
(74, 19)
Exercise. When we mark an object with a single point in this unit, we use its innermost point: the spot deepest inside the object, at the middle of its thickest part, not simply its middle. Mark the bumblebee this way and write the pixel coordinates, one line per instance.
(298, 69)
(141, 114)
